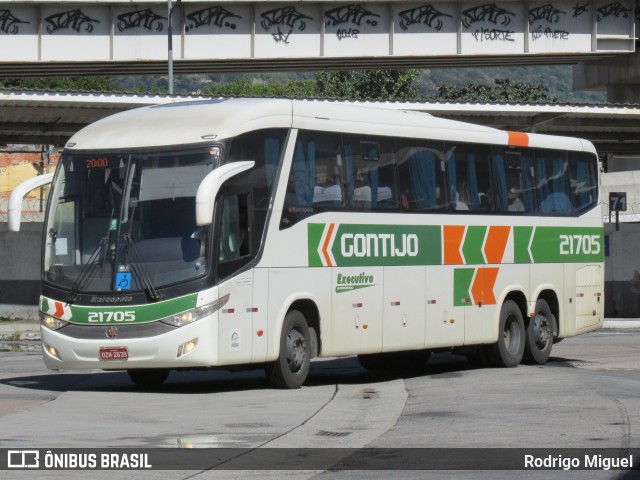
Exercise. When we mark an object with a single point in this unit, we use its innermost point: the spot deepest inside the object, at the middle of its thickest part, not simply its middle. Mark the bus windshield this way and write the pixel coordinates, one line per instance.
(126, 220)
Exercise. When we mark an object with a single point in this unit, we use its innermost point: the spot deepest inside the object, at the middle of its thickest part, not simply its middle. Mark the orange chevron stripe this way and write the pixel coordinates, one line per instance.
(496, 243)
(59, 310)
(325, 246)
(453, 235)
(483, 283)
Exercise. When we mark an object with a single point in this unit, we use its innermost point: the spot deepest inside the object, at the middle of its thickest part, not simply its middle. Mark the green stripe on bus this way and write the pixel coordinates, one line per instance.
(472, 247)
(375, 245)
(462, 278)
(558, 244)
(314, 238)
(106, 315)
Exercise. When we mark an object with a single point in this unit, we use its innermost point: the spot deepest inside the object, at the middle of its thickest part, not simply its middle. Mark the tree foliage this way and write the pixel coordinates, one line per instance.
(353, 84)
(246, 88)
(357, 84)
(503, 90)
(368, 84)
(74, 84)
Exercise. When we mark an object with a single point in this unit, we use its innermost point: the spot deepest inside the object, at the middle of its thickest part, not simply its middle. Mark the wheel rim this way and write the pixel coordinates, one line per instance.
(296, 350)
(512, 335)
(541, 331)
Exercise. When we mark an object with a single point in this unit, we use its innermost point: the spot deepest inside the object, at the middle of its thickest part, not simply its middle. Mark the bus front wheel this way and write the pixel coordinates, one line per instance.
(509, 349)
(291, 368)
(539, 334)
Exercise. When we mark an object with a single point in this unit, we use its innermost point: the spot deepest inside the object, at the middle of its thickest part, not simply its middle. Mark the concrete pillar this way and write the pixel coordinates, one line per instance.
(623, 94)
(620, 76)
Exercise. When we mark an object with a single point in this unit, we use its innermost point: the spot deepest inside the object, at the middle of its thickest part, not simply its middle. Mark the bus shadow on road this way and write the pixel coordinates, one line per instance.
(323, 372)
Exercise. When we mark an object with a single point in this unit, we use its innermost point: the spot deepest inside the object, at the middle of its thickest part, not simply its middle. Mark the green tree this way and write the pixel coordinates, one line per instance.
(503, 90)
(368, 84)
(246, 88)
(75, 84)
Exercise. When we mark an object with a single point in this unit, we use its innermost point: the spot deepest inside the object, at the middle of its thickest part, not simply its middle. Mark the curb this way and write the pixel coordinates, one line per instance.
(621, 324)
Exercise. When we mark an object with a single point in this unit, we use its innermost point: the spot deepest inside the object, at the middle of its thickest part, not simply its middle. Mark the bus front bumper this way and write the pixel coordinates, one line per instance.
(193, 345)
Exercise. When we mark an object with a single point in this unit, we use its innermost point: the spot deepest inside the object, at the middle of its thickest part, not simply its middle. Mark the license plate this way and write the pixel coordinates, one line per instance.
(114, 353)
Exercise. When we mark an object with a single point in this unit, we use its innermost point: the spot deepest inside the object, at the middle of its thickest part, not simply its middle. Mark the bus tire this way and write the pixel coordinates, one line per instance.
(509, 349)
(539, 334)
(291, 368)
(148, 377)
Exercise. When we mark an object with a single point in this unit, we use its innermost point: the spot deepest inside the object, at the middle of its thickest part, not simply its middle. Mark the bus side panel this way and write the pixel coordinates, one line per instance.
(404, 308)
(357, 310)
(444, 321)
(552, 276)
(585, 310)
(490, 286)
(288, 285)
(236, 320)
(260, 313)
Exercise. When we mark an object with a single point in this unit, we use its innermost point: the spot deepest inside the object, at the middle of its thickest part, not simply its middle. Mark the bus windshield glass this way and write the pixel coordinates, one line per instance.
(126, 221)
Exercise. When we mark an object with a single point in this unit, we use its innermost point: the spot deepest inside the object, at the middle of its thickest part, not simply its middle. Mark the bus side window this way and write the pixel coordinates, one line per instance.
(583, 179)
(315, 178)
(513, 180)
(551, 181)
(370, 172)
(234, 239)
(469, 172)
(421, 175)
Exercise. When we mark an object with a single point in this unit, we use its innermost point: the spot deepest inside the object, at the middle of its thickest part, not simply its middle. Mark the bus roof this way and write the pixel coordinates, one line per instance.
(200, 121)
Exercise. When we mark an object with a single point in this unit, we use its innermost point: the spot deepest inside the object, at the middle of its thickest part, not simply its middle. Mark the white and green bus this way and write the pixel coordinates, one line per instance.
(261, 233)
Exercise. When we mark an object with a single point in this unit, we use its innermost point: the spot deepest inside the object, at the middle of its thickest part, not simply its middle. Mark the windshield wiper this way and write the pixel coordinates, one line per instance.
(89, 268)
(139, 270)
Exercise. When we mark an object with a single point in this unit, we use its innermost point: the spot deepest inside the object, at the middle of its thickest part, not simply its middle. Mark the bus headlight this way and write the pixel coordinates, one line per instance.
(53, 351)
(195, 314)
(52, 323)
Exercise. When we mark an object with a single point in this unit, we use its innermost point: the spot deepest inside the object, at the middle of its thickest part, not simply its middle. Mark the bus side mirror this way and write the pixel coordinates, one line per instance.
(210, 186)
(15, 200)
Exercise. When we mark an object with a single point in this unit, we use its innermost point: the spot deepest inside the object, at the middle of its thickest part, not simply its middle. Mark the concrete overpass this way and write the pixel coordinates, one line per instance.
(115, 37)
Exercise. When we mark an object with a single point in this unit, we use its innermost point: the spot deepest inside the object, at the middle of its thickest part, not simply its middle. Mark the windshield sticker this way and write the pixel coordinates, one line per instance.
(123, 281)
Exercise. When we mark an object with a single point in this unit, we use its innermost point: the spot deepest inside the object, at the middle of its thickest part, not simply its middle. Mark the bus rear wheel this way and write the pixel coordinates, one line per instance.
(148, 377)
(291, 368)
(509, 349)
(539, 334)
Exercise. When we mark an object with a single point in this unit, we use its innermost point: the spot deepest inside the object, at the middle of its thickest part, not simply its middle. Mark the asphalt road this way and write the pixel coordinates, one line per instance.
(587, 396)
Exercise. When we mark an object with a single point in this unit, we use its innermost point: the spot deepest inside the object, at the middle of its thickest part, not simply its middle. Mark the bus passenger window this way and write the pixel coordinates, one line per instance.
(370, 172)
(469, 177)
(551, 181)
(315, 179)
(513, 171)
(583, 179)
(421, 175)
